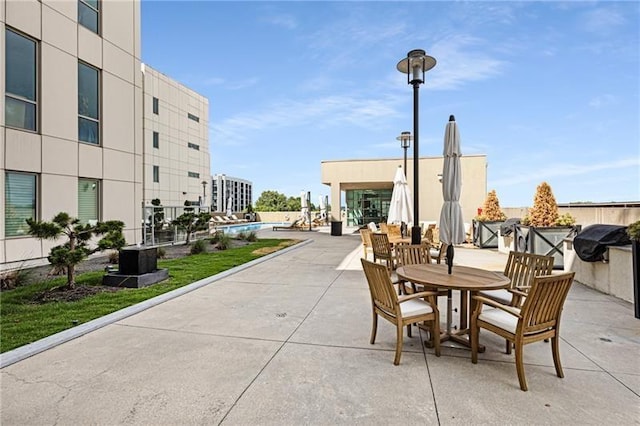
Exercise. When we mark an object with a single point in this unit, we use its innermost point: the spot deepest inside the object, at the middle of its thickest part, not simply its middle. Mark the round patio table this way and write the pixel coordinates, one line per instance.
(466, 279)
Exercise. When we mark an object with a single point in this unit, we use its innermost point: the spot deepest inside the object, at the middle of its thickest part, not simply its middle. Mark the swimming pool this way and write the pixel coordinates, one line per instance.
(246, 227)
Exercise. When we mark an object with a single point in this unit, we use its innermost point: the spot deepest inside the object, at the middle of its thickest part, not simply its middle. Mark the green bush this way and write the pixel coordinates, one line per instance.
(634, 231)
(14, 278)
(162, 253)
(198, 247)
(224, 242)
(241, 235)
(252, 237)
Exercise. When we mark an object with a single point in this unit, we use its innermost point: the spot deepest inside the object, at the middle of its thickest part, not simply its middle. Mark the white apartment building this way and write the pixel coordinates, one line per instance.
(85, 128)
(176, 142)
(70, 128)
(230, 193)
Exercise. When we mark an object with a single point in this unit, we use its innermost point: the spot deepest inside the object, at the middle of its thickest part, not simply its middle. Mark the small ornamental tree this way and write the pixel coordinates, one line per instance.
(491, 210)
(545, 209)
(191, 222)
(76, 248)
(158, 213)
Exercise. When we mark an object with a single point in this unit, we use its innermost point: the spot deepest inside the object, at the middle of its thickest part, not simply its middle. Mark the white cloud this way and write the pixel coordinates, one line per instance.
(601, 101)
(285, 21)
(602, 21)
(565, 170)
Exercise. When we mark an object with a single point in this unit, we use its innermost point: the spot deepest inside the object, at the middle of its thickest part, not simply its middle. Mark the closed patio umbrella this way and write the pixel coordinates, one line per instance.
(229, 206)
(400, 207)
(304, 210)
(451, 221)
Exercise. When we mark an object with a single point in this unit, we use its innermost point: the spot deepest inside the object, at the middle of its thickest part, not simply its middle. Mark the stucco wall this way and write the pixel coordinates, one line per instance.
(378, 173)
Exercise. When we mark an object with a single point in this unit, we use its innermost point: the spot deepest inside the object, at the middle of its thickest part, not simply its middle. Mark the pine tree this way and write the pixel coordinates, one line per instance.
(545, 210)
(491, 209)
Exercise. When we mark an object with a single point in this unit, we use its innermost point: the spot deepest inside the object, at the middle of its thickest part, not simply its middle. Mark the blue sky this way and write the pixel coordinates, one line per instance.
(549, 91)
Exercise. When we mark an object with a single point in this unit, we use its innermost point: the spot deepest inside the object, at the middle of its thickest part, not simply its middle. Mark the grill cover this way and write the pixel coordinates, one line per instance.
(507, 227)
(592, 242)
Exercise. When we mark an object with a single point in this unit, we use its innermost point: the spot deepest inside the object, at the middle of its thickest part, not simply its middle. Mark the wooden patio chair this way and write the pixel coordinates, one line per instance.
(412, 254)
(383, 227)
(400, 310)
(521, 268)
(365, 235)
(538, 319)
(394, 230)
(382, 250)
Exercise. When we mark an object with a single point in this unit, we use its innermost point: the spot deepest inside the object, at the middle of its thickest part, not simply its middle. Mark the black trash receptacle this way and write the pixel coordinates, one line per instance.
(336, 228)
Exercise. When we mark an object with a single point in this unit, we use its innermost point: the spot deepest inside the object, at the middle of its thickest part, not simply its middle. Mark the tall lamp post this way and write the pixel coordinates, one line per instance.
(415, 65)
(204, 192)
(405, 142)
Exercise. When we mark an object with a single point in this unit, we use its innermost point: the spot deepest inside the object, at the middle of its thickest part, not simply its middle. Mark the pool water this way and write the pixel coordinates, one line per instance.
(246, 227)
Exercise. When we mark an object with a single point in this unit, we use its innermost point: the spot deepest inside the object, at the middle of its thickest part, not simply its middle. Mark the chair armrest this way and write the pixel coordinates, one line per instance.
(508, 309)
(417, 295)
(518, 292)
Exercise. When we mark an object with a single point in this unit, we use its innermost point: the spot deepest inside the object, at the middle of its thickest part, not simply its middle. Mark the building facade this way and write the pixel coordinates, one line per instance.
(230, 193)
(70, 129)
(367, 186)
(176, 142)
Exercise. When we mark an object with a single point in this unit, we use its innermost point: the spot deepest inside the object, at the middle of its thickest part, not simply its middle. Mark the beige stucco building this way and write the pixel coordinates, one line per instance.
(72, 103)
(79, 112)
(368, 184)
(176, 142)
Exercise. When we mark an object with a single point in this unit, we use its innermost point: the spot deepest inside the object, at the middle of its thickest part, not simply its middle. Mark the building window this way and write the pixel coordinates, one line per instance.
(20, 81)
(193, 117)
(156, 140)
(89, 14)
(156, 174)
(88, 104)
(156, 105)
(19, 203)
(194, 146)
(88, 201)
(194, 174)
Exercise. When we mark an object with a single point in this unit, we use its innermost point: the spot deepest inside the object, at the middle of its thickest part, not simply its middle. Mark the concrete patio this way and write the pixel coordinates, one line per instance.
(286, 342)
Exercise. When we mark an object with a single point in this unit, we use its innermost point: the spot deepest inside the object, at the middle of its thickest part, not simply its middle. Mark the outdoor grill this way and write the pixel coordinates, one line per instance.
(591, 244)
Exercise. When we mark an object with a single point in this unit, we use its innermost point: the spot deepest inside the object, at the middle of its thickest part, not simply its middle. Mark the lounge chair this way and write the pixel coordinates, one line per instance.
(237, 219)
(295, 225)
(219, 220)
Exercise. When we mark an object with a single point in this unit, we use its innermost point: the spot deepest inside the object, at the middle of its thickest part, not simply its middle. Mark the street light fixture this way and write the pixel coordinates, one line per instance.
(415, 65)
(204, 192)
(405, 142)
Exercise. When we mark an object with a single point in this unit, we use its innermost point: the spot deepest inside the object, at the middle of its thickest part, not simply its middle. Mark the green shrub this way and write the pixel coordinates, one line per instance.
(224, 242)
(14, 278)
(198, 247)
(633, 231)
(162, 253)
(252, 237)
(114, 257)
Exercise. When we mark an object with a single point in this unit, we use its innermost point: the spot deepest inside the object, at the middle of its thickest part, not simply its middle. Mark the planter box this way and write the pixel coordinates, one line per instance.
(485, 234)
(547, 241)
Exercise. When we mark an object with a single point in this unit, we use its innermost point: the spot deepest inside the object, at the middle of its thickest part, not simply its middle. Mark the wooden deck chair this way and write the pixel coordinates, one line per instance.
(365, 235)
(399, 310)
(538, 319)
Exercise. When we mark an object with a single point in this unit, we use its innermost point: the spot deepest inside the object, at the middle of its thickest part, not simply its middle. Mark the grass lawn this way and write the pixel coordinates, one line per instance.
(22, 321)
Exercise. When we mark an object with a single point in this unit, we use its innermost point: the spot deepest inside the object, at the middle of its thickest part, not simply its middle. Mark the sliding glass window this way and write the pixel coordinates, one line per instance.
(88, 201)
(21, 81)
(88, 104)
(89, 14)
(19, 202)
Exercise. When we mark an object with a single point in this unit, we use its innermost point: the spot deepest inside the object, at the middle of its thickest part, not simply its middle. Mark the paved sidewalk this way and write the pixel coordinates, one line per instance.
(286, 342)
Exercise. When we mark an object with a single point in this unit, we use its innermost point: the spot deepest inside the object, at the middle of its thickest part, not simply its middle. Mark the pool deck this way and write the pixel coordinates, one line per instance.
(285, 341)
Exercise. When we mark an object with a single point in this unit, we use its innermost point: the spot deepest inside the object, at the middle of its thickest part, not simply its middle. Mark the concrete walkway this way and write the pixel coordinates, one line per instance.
(286, 342)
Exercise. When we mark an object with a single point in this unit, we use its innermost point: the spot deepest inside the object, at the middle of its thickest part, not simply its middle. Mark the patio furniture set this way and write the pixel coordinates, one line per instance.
(523, 304)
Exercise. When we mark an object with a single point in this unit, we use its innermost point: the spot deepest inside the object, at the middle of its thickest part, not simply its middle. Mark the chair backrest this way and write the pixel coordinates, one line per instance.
(384, 228)
(521, 268)
(442, 253)
(365, 234)
(412, 254)
(427, 237)
(381, 246)
(543, 306)
(394, 229)
(383, 294)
